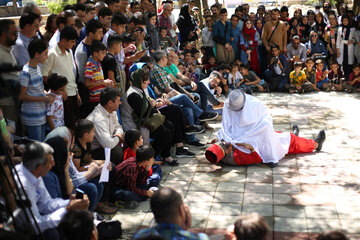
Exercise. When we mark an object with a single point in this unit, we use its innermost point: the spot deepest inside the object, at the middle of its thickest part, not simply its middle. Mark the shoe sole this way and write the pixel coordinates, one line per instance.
(184, 156)
(191, 133)
(209, 119)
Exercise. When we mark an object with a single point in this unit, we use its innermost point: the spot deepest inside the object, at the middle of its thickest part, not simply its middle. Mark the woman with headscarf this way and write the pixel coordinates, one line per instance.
(331, 36)
(345, 45)
(187, 25)
(142, 107)
(304, 30)
(319, 26)
(248, 127)
(248, 45)
(62, 140)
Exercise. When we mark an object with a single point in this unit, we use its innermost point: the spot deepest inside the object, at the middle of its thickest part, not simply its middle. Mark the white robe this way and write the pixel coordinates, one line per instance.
(253, 125)
(340, 41)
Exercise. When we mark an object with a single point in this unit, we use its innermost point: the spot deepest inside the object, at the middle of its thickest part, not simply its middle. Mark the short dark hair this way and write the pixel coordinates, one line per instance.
(80, 7)
(165, 197)
(92, 26)
(151, 14)
(77, 224)
(252, 226)
(239, 9)
(215, 6)
(245, 66)
(224, 66)
(127, 38)
(284, 9)
(223, 10)
(83, 126)
(56, 81)
(37, 46)
(147, 59)
(144, 153)
(97, 46)
(162, 28)
(111, 2)
(89, 8)
(275, 10)
(27, 18)
(356, 65)
(68, 33)
(108, 94)
(119, 19)
(234, 15)
(131, 136)
(332, 235)
(275, 46)
(5, 25)
(114, 39)
(104, 11)
(133, 4)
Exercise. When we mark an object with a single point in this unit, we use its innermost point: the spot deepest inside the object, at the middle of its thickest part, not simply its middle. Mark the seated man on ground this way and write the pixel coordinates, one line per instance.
(131, 178)
(37, 162)
(248, 127)
(108, 131)
(172, 216)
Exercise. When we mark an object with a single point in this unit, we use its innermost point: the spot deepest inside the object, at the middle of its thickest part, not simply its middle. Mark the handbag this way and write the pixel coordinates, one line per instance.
(109, 230)
(154, 121)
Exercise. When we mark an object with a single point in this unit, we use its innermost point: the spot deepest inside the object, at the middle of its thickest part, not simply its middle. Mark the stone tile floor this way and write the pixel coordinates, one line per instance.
(306, 194)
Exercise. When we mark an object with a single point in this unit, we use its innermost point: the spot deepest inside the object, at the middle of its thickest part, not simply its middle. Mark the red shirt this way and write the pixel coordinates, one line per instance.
(128, 153)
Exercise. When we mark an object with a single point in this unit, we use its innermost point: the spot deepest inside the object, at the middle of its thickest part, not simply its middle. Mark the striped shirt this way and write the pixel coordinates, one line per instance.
(33, 113)
(93, 71)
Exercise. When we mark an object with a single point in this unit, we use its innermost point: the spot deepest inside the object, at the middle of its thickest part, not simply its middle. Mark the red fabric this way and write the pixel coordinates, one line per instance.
(301, 145)
(128, 153)
(297, 145)
(241, 158)
(249, 34)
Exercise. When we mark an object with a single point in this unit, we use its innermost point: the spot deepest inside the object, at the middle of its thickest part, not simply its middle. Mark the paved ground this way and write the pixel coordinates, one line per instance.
(306, 194)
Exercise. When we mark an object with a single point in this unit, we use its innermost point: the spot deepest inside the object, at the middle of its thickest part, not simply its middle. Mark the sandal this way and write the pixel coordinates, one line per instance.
(105, 209)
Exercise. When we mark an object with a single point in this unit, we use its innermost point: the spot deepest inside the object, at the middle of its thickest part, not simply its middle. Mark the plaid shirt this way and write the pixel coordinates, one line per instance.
(129, 175)
(170, 231)
(160, 77)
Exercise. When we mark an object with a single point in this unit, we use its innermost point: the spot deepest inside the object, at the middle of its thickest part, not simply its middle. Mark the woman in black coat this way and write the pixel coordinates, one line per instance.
(187, 25)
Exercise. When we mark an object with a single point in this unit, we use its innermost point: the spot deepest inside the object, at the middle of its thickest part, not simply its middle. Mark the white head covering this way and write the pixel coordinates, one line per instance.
(252, 125)
(236, 100)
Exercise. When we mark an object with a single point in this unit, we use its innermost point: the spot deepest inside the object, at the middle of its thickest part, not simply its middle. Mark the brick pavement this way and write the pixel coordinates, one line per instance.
(306, 194)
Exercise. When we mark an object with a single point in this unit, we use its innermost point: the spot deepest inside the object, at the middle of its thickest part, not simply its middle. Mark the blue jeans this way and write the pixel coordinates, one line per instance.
(94, 190)
(184, 101)
(205, 95)
(269, 77)
(189, 114)
(152, 181)
(36, 132)
(320, 84)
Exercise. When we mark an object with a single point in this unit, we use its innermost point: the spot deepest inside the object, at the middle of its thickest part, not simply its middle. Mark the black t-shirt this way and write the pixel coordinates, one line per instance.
(83, 154)
(109, 64)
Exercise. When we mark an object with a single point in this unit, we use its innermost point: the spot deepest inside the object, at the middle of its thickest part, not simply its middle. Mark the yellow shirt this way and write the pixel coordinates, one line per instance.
(297, 80)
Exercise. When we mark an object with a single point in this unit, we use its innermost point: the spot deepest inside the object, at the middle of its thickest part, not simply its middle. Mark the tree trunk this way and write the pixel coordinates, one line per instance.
(356, 7)
(205, 5)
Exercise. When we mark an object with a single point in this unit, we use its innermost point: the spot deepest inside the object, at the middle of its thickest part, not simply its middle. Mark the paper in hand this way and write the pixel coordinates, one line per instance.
(104, 177)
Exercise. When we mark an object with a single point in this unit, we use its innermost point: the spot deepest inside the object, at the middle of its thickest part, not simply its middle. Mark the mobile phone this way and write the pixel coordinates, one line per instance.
(79, 194)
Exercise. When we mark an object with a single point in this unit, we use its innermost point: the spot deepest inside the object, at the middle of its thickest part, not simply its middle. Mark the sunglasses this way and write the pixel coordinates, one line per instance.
(313, 35)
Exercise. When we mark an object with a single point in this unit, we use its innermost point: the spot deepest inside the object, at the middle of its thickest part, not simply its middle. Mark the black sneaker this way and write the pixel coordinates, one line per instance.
(296, 130)
(196, 144)
(207, 116)
(320, 139)
(194, 129)
(183, 153)
(272, 165)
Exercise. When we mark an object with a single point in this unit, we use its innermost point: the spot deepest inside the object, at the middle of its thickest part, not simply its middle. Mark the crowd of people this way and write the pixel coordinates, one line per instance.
(141, 82)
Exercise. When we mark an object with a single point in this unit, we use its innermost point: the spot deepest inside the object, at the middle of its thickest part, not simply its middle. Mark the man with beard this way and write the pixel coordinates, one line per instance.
(8, 36)
(296, 51)
(274, 32)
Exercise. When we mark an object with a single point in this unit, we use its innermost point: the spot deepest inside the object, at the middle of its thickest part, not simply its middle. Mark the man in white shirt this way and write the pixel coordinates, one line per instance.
(37, 162)
(108, 132)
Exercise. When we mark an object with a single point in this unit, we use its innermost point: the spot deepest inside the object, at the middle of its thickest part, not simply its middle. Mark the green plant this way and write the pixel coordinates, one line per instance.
(55, 6)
